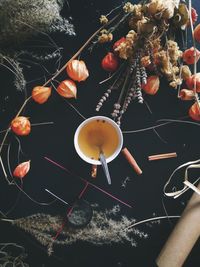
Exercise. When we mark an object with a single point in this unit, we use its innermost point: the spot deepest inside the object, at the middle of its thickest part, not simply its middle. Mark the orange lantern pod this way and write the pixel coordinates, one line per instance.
(77, 70)
(191, 79)
(194, 16)
(152, 85)
(117, 43)
(40, 94)
(21, 126)
(22, 169)
(197, 33)
(110, 62)
(194, 112)
(67, 89)
(186, 94)
(189, 55)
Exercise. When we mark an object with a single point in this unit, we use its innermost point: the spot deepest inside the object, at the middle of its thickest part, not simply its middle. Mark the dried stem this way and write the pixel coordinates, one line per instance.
(195, 56)
(150, 220)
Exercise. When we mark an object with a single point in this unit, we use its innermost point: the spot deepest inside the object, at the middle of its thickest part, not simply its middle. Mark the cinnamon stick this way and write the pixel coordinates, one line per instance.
(94, 171)
(162, 156)
(131, 161)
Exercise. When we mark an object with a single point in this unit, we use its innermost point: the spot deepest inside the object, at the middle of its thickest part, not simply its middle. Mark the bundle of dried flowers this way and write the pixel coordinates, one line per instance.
(148, 51)
(105, 228)
(21, 20)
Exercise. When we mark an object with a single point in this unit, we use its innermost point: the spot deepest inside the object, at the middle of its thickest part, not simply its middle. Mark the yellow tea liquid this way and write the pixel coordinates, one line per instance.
(96, 135)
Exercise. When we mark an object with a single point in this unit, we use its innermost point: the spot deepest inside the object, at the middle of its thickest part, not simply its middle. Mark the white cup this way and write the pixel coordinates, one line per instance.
(118, 148)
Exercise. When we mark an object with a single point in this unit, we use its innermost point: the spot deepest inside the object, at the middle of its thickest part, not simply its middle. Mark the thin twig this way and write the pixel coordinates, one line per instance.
(151, 219)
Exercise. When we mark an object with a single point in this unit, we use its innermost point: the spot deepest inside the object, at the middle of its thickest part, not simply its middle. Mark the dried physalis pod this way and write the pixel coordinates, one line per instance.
(197, 33)
(67, 89)
(186, 94)
(110, 62)
(189, 55)
(40, 94)
(21, 126)
(77, 70)
(22, 169)
(194, 16)
(190, 81)
(152, 85)
(194, 111)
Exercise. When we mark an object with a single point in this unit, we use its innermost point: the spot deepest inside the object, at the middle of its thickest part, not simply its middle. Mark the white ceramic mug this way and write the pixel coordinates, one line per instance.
(113, 124)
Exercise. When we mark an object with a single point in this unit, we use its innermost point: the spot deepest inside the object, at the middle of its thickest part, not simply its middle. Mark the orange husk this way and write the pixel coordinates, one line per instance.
(186, 94)
(194, 112)
(197, 33)
(67, 89)
(40, 94)
(191, 80)
(189, 55)
(152, 85)
(22, 169)
(77, 70)
(21, 126)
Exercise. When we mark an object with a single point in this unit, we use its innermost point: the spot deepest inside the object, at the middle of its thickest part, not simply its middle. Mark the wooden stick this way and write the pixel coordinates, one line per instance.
(184, 236)
(131, 161)
(94, 171)
(162, 156)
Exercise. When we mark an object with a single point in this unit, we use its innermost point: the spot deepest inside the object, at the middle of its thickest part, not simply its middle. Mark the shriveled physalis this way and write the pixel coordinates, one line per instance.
(21, 126)
(67, 89)
(192, 79)
(22, 169)
(77, 70)
(110, 62)
(194, 15)
(186, 94)
(194, 112)
(189, 55)
(152, 85)
(40, 94)
(197, 33)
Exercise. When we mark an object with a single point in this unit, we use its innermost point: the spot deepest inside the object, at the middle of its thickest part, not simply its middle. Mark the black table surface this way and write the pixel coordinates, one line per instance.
(144, 193)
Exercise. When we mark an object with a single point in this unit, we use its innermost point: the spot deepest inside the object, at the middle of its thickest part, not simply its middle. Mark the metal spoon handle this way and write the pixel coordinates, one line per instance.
(105, 166)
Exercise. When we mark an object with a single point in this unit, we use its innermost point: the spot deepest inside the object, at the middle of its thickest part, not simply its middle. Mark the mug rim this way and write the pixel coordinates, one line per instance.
(93, 161)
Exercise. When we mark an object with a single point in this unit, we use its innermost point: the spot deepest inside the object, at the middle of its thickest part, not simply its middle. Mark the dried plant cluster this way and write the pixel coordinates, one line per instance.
(148, 50)
(21, 20)
(12, 255)
(106, 227)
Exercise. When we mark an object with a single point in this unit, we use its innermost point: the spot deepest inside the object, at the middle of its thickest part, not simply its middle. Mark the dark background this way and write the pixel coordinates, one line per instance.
(56, 141)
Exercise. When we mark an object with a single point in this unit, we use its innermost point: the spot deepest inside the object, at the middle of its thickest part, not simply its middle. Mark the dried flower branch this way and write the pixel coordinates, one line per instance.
(104, 228)
(149, 50)
(40, 14)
